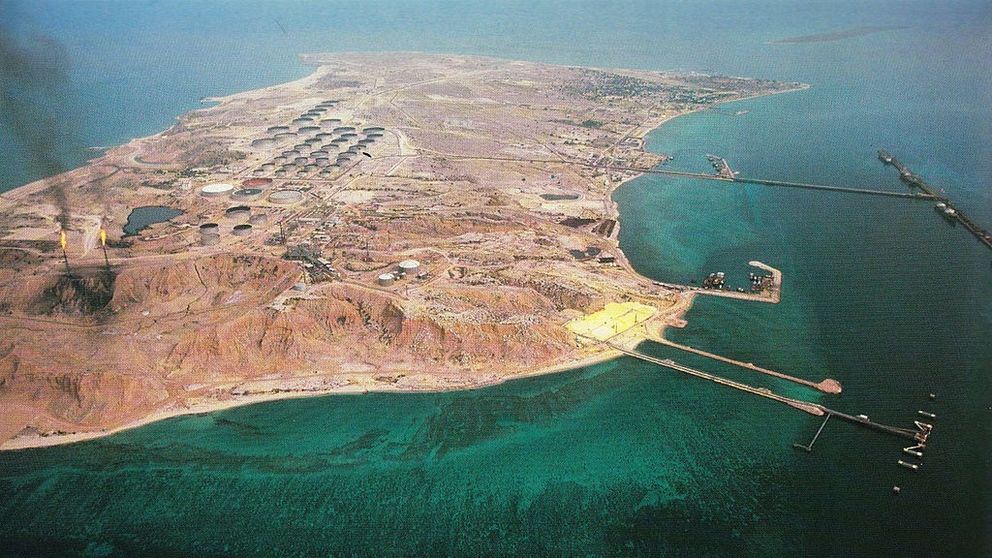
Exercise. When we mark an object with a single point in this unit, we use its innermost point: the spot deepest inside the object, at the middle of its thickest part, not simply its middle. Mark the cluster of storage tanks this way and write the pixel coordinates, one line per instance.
(406, 268)
(322, 145)
(242, 218)
(252, 189)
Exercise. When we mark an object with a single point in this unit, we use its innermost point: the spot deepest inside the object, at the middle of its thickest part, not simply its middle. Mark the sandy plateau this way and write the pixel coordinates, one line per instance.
(494, 175)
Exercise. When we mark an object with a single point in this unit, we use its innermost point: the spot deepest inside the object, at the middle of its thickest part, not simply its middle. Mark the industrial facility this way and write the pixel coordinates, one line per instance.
(314, 145)
(216, 190)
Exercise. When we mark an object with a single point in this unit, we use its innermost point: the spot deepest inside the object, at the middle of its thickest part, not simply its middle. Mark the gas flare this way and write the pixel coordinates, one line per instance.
(103, 237)
(62, 240)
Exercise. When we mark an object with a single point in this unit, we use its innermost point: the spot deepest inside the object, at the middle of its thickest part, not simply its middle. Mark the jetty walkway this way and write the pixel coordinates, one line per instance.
(918, 434)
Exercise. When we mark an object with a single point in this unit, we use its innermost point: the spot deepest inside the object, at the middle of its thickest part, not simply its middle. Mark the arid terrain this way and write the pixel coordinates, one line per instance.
(494, 176)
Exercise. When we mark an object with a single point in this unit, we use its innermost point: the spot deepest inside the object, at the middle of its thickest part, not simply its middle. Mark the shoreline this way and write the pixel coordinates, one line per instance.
(676, 319)
(38, 441)
(613, 211)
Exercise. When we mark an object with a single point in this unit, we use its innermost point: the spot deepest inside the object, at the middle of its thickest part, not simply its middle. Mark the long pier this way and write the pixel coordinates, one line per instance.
(920, 434)
(914, 181)
(804, 406)
(780, 183)
(828, 385)
(926, 191)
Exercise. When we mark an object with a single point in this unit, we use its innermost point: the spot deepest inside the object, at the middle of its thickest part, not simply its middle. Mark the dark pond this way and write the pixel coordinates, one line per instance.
(142, 217)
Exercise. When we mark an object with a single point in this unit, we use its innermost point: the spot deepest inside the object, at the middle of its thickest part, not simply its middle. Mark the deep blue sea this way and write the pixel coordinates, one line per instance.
(621, 458)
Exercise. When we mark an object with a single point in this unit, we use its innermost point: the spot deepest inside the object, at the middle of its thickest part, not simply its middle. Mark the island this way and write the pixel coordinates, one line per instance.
(392, 221)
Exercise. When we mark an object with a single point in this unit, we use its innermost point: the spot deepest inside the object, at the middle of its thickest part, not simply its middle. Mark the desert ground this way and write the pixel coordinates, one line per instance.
(493, 176)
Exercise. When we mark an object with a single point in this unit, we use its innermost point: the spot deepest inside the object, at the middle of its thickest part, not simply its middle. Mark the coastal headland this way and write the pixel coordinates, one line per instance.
(401, 222)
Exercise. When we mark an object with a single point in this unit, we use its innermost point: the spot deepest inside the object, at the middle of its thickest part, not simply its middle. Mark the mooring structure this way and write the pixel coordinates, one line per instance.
(919, 434)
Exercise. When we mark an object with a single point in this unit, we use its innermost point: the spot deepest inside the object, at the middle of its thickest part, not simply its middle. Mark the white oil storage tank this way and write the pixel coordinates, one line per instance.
(216, 190)
(410, 267)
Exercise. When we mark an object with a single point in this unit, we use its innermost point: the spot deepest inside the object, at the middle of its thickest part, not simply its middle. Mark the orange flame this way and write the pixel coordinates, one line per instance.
(103, 237)
(62, 240)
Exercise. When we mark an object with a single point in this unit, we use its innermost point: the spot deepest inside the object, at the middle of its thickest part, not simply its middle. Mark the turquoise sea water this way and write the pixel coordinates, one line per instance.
(620, 458)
